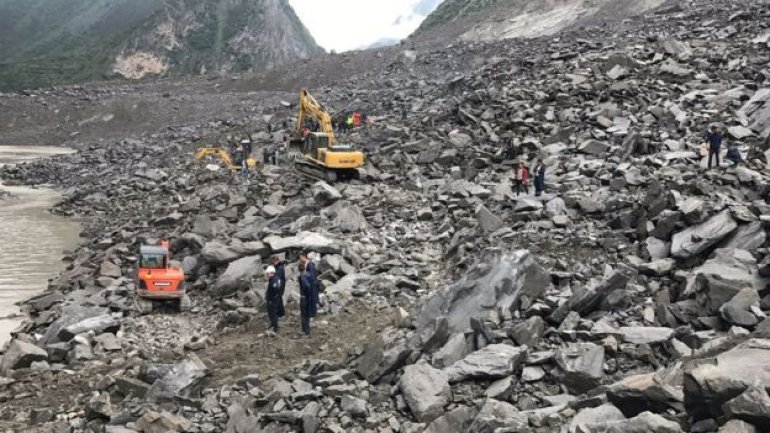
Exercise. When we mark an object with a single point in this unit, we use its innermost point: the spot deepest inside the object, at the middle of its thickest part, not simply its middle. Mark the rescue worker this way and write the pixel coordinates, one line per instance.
(521, 178)
(280, 272)
(272, 295)
(733, 154)
(539, 178)
(312, 276)
(305, 299)
(349, 123)
(239, 159)
(715, 144)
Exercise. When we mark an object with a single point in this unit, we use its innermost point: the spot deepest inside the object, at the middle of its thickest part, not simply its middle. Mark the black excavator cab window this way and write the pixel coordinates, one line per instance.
(316, 141)
(153, 261)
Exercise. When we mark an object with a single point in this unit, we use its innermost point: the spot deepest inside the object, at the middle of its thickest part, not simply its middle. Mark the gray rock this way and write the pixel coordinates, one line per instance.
(426, 391)
(588, 299)
(757, 111)
(722, 277)
(658, 268)
(646, 422)
(695, 240)
(304, 241)
(513, 276)
(238, 275)
(594, 147)
(98, 324)
(646, 335)
(595, 418)
(737, 426)
(639, 393)
(383, 356)
(529, 332)
(496, 414)
(20, 354)
(455, 349)
(737, 311)
(324, 193)
(162, 422)
(457, 420)
(707, 386)
(181, 381)
(753, 406)
(345, 217)
(491, 362)
(748, 237)
(488, 221)
(111, 270)
(354, 406)
(581, 365)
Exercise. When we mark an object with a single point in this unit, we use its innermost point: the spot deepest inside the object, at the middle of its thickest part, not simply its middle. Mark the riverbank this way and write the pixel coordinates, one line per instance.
(33, 240)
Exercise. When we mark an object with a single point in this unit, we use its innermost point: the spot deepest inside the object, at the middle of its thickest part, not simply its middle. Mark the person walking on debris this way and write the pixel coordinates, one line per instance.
(312, 276)
(306, 296)
(272, 296)
(511, 151)
(245, 149)
(521, 178)
(539, 178)
(733, 154)
(280, 272)
(715, 144)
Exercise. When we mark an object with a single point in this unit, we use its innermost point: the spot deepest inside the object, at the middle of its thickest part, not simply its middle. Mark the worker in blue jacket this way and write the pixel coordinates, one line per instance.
(715, 143)
(312, 276)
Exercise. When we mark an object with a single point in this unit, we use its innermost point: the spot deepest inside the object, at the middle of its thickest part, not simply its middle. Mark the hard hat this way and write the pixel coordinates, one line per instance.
(270, 270)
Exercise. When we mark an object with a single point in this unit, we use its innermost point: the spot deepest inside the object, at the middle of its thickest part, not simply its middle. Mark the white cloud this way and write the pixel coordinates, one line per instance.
(344, 25)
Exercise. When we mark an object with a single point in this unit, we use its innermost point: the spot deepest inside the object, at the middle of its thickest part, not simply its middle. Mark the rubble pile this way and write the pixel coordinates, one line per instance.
(630, 296)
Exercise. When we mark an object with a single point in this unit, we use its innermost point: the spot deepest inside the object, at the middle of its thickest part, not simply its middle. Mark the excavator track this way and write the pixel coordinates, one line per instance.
(313, 171)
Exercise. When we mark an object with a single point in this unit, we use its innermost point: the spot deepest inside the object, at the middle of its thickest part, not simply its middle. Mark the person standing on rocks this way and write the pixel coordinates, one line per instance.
(272, 296)
(306, 296)
(280, 272)
(715, 144)
(312, 276)
(539, 178)
(521, 178)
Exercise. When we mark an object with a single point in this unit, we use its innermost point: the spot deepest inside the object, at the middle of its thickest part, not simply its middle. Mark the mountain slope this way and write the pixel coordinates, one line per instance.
(45, 42)
(484, 20)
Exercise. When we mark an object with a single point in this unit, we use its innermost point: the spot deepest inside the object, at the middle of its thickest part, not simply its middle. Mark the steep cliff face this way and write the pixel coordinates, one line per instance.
(52, 41)
(484, 20)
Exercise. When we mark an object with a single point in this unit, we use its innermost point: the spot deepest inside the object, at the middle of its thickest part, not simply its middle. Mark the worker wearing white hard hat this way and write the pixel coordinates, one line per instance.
(273, 297)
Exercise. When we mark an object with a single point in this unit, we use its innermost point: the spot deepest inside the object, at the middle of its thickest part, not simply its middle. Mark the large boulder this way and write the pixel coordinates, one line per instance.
(722, 277)
(752, 406)
(238, 275)
(488, 222)
(383, 356)
(457, 420)
(757, 111)
(594, 418)
(646, 422)
(697, 239)
(496, 414)
(345, 217)
(491, 362)
(497, 281)
(324, 193)
(426, 391)
(709, 385)
(639, 393)
(20, 354)
(582, 366)
(590, 297)
(98, 324)
(216, 253)
(182, 380)
(304, 241)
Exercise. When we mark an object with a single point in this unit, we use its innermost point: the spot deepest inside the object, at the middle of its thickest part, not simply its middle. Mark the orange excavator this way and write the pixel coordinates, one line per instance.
(158, 280)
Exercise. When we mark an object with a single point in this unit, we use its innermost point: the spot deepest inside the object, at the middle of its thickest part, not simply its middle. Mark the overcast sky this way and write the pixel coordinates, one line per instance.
(343, 25)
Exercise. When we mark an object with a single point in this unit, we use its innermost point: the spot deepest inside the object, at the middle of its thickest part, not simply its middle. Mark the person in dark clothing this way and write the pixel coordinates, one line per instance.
(306, 295)
(312, 276)
(733, 154)
(272, 297)
(715, 144)
(539, 179)
(280, 272)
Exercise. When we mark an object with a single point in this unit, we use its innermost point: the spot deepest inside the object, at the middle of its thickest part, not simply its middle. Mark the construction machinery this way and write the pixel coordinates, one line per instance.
(318, 154)
(158, 280)
(224, 155)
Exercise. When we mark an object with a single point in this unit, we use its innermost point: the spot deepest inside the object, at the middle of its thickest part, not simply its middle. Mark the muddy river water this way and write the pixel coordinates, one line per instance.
(32, 240)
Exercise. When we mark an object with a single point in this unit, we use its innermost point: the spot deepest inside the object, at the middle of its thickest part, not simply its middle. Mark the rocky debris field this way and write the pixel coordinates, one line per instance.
(630, 297)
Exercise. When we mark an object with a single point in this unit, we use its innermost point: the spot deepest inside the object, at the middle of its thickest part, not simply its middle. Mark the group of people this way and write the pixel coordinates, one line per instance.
(308, 287)
(521, 178)
(343, 124)
(715, 138)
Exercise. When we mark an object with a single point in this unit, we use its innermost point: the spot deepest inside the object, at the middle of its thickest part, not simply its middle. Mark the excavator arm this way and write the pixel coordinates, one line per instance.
(310, 108)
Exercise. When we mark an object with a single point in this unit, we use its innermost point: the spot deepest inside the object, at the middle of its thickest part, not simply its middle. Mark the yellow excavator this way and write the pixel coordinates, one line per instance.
(224, 155)
(320, 156)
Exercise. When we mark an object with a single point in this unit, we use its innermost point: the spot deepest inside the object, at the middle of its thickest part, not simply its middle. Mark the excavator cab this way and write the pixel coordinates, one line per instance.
(158, 281)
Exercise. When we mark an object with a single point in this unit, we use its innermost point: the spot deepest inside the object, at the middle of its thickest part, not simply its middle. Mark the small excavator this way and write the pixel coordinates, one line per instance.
(320, 156)
(158, 280)
(224, 155)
